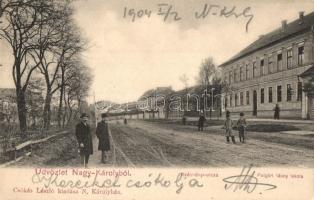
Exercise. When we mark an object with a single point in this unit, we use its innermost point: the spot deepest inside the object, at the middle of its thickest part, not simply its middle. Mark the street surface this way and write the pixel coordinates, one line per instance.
(156, 144)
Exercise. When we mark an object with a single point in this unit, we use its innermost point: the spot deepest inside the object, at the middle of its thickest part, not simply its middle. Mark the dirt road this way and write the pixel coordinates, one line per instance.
(162, 144)
(145, 144)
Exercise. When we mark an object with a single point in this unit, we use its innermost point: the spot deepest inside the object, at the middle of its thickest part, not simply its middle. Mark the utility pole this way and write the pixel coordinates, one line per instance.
(0, 23)
(155, 102)
(95, 109)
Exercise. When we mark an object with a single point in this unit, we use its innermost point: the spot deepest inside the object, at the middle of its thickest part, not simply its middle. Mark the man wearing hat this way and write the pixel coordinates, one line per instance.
(201, 121)
(102, 132)
(84, 139)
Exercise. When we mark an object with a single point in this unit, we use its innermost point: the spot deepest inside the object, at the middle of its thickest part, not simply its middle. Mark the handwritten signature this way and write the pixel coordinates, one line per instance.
(246, 181)
(223, 11)
(59, 182)
(152, 181)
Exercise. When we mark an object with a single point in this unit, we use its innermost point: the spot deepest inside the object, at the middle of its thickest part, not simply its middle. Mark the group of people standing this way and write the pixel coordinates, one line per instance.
(85, 140)
(241, 126)
(228, 126)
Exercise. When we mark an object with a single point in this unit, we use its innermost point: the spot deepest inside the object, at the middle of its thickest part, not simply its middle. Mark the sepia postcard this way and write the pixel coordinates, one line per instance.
(157, 99)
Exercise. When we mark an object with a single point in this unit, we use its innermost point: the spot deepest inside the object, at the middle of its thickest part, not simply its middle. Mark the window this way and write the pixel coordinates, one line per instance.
(279, 93)
(235, 75)
(242, 74)
(270, 95)
(299, 97)
(247, 97)
(230, 77)
(289, 92)
(230, 100)
(262, 67)
(262, 95)
(246, 72)
(241, 98)
(279, 62)
(300, 55)
(254, 69)
(270, 64)
(289, 58)
(236, 100)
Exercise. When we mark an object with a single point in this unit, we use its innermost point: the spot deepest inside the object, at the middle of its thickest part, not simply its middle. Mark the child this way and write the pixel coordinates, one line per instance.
(201, 122)
(228, 128)
(241, 127)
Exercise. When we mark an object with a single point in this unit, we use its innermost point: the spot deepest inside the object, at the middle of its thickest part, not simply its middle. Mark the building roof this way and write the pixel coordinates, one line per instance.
(157, 91)
(293, 28)
(7, 92)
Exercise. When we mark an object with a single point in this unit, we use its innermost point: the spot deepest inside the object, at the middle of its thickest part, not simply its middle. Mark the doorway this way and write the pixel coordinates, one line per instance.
(254, 103)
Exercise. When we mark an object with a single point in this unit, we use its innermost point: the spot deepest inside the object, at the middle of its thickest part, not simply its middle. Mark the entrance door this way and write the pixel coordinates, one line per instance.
(254, 103)
(312, 107)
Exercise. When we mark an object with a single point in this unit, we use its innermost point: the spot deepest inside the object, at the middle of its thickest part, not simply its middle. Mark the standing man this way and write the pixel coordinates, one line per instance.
(241, 127)
(201, 121)
(102, 132)
(228, 128)
(277, 112)
(84, 139)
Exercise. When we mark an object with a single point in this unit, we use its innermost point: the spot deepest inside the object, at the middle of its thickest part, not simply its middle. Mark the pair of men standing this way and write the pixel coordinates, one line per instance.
(85, 140)
(241, 125)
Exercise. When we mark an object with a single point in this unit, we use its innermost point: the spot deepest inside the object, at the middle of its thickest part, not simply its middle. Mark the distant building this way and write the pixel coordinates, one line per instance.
(7, 103)
(153, 102)
(272, 70)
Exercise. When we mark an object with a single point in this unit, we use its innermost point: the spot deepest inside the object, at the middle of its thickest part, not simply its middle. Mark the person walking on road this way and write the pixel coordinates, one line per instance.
(241, 124)
(84, 139)
(102, 133)
(201, 122)
(228, 128)
(277, 112)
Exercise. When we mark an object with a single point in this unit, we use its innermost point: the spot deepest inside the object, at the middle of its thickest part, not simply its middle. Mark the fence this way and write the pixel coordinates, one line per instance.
(12, 143)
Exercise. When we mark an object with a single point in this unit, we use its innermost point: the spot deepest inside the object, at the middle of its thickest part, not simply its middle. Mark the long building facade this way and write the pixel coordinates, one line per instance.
(273, 70)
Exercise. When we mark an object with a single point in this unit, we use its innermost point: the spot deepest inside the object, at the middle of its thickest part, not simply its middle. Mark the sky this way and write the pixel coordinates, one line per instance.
(129, 57)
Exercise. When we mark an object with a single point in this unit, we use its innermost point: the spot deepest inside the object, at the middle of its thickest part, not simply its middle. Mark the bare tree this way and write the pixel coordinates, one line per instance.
(56, 44)
(207, 71)
(184, 79)
(71, 47)
(20, 28)
(35, 100)
(8, 4)
(78, 82)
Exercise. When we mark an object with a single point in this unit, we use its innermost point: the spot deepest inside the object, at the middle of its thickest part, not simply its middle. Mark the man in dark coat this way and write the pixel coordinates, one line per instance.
(102, 132)
(84, 139)
(277, 112)
(201, 122)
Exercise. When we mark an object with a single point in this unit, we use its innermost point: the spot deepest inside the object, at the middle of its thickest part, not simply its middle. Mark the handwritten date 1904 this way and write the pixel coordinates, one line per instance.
(168, 12)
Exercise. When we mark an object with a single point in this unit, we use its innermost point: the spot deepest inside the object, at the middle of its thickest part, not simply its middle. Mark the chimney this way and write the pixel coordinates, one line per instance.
(301, 17)
(283, 25)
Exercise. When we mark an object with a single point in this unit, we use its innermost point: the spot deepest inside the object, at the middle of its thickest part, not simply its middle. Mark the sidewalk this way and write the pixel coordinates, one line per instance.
(297, 121)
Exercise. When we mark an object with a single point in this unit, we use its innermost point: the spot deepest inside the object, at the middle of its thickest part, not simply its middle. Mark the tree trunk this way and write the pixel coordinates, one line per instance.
(79, 105)
(60, 113)
(47, 110)
(34, 121)
(21, 107)
(65, 111)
